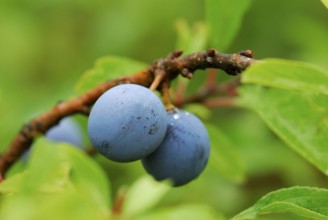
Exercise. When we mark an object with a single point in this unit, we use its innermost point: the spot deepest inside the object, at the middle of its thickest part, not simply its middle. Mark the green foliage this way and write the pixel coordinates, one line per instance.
(223, 19)
(45, 45)
(192, 212)
(298, 112)
(286, 74)
(303, 201)
(191, 39)
(224, 157)
(107, 68)
(143, 195)
(60, 182)
(325, 2)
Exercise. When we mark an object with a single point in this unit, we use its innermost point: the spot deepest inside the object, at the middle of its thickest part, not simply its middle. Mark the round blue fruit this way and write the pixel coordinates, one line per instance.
(184, 152)
(67, 130)
(127, 123)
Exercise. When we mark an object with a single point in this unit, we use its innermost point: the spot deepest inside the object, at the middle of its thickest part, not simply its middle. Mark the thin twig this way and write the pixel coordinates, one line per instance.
(206, 92)
(219, 102)
(211, 78)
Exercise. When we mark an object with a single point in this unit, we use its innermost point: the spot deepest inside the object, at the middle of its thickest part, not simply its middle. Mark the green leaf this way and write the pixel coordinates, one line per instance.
(288, 74)
(75, 166)
(224, 156)
(224, 18)
(51, 207)
(325, 2)
(299, 119)
(60, 182)
(308, 202)
(107, 68)
(13, 184)
(144, 194)
(88, 177)
(292, 99)
(191, 39)
(190, 212)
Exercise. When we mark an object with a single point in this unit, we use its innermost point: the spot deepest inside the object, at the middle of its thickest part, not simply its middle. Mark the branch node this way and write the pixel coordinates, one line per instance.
(176, 54)
(211, 52)
(186, 73)
(209, 60)
(246, 53)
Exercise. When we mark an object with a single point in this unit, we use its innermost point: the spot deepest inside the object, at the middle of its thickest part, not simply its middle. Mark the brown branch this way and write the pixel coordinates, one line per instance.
(219, 102)
(204, 94)
(171, 66)
(211, 78)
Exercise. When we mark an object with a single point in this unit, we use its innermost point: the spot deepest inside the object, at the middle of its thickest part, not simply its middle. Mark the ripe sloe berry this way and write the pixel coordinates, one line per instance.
(127, 123)
(67, 130)
(184, 152)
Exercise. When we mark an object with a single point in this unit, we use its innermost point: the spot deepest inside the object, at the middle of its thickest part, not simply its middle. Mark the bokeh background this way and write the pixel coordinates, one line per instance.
(45, 46)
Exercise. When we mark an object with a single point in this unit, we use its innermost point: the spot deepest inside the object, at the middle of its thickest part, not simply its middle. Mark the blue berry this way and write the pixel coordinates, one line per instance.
(127, 123)
(67, 130)
(184, 152)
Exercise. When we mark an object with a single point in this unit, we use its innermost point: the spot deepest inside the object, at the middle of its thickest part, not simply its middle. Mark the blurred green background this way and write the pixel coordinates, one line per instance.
(46, 45)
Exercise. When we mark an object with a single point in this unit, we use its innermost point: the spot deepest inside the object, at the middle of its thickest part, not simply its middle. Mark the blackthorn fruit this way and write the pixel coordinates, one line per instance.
(184, 152)
(67, 130)
(127, 123)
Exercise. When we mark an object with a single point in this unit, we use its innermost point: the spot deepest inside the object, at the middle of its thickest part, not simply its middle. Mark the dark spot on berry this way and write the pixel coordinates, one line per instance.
(105, 146)
(201, 151)
(153, 129)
